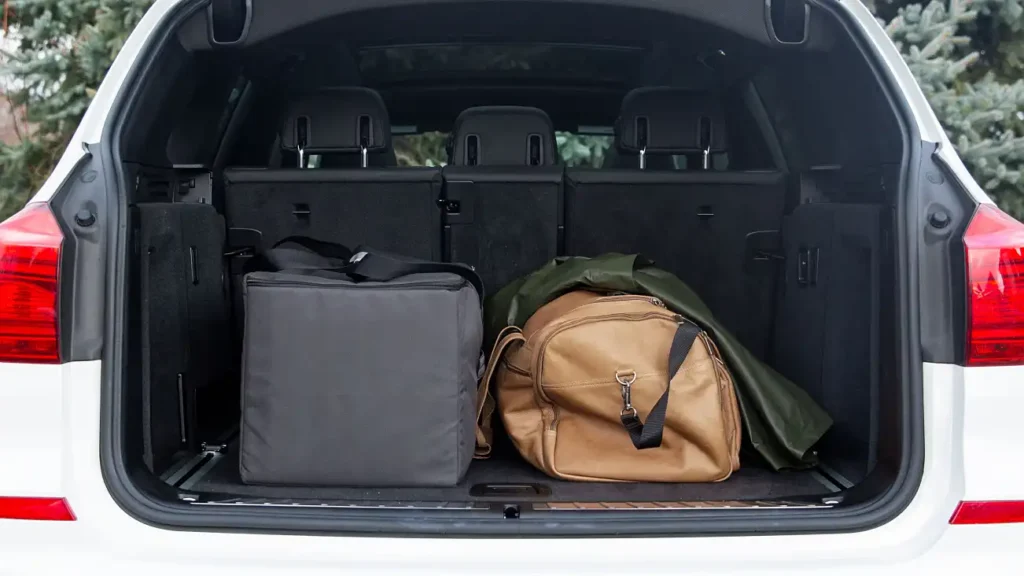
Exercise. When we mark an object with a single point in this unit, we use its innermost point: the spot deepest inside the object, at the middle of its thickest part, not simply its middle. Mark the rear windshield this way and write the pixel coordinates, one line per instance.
(428, 149)
(591, 63)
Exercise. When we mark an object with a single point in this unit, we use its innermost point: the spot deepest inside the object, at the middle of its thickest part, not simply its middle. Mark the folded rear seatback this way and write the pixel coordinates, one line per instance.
(507, 223)
(393, 209)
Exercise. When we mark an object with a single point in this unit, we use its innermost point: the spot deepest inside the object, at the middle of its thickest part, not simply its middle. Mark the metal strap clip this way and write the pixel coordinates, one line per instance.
(625, 380)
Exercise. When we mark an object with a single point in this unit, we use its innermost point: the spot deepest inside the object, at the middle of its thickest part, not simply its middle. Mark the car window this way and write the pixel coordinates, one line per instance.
(423, 149)
(428, 149)
(592, 63)
(583, 150)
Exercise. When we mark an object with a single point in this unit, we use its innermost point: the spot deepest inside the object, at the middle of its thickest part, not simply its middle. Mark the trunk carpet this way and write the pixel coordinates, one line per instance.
(220, 476)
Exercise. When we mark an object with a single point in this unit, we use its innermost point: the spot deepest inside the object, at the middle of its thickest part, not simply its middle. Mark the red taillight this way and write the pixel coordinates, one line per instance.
(35, 509)
(994, 243)
(992, 512)
(30, 243)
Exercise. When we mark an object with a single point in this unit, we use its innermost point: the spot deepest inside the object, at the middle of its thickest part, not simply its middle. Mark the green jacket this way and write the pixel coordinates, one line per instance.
(781, 421)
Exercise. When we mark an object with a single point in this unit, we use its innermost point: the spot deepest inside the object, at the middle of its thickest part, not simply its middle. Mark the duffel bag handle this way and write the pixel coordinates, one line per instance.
(648, 435)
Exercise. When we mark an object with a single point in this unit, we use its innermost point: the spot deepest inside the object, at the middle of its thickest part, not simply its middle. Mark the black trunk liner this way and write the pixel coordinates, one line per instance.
(220, 476)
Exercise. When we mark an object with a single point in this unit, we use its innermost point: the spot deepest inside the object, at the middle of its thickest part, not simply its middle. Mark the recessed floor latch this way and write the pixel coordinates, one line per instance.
(510, 511)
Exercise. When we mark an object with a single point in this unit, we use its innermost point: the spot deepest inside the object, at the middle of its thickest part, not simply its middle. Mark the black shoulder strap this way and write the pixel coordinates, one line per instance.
(648, 435)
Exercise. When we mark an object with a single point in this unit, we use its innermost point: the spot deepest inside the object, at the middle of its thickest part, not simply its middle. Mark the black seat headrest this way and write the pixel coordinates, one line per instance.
(503, 136)
(671, 121)
(337, 120)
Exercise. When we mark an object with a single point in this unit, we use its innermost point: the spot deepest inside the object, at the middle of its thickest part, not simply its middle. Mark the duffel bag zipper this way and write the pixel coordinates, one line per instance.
(625, 298)
(620, 297)
(538, 360)
(722, 383)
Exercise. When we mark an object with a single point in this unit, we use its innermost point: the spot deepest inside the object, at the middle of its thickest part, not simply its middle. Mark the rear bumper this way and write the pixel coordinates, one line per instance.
(105, 535)
(982, 549)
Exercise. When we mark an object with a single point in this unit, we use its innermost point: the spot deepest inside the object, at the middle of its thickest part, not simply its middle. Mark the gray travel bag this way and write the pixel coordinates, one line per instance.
(360, 372)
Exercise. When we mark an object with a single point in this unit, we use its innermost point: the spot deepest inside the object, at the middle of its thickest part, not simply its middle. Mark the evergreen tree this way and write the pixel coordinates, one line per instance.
(975, 89)
(63, 49)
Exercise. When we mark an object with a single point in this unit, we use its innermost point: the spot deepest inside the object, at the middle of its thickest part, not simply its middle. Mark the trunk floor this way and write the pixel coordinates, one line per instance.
(220, 476)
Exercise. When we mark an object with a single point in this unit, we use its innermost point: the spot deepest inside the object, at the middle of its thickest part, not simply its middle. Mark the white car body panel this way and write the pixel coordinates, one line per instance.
(49, 446)
(993, 453)
(31, 430)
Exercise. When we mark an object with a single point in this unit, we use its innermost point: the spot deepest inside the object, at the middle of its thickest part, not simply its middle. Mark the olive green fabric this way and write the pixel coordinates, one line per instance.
(782, 422)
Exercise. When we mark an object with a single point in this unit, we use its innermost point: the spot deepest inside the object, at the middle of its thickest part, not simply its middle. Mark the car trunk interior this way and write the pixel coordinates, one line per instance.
(787, 234)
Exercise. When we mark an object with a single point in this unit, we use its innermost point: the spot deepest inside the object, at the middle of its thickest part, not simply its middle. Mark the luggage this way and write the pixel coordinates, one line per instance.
(616, 388)
(361, 372)
(781, 421)
(180, 271)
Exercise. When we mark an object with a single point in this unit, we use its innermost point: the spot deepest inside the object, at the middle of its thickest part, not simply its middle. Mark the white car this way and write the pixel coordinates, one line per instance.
(791, 171)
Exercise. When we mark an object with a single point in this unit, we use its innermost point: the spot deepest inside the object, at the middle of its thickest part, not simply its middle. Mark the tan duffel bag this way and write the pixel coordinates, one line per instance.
(613, 388)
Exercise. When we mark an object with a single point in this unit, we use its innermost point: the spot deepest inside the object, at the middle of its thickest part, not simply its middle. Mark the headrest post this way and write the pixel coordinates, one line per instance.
(365, 129)
(301, 139)
(673, 125)
(641, 139)
(705, 142)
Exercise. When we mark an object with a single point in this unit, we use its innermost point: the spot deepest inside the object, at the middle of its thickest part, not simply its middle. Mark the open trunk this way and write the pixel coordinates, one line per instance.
(787, 234)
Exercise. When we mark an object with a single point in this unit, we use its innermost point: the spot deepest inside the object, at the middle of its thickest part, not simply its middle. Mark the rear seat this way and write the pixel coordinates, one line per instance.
(503, 188)
(693, 223)
(356, 196)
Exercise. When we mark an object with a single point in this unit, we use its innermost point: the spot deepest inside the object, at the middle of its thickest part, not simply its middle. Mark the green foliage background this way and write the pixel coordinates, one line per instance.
(968, 56)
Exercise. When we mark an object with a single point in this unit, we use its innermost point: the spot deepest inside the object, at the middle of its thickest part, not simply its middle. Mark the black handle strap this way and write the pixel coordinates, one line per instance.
(321, 247)
(381, 267)
(648, 435)
(364, 264)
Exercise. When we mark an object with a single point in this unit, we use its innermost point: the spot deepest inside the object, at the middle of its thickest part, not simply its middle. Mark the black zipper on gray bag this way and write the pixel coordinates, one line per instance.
(357, 286)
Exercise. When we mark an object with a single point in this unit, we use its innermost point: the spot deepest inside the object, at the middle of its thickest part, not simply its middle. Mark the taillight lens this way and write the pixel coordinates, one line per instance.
(30, 243)
(990, 512)
(35, 509)
(994, 243)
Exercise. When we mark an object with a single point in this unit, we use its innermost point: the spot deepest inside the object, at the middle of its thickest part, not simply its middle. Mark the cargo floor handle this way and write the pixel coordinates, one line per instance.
(648, 435)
